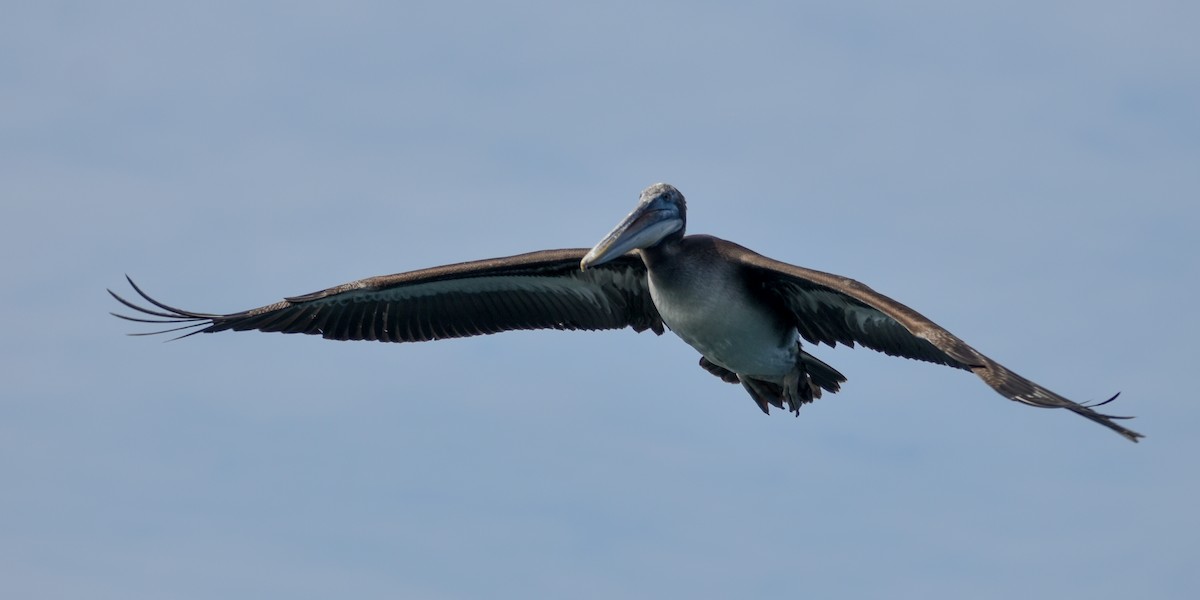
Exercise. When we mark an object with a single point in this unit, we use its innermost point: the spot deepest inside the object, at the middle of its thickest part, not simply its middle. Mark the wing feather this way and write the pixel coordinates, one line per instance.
(832, 309)
(539, 290)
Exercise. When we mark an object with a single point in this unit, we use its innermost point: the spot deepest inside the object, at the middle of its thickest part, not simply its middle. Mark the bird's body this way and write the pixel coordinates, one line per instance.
(716, 313)
(746, 314)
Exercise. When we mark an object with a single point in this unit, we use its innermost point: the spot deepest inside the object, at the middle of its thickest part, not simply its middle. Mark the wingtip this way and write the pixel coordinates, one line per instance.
(1131, 435)
(1088, 410)
(1114, 397)
(159, 313)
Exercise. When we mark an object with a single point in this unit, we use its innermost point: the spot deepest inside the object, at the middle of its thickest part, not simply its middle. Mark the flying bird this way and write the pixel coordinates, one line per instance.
(747, 315)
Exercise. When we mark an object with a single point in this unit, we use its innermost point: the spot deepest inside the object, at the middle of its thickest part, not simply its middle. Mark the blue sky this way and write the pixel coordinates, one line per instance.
(1024, 173)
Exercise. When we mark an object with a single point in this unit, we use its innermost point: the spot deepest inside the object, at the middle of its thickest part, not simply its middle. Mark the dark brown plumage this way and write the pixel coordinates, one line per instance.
(538, 290)
(745, 313)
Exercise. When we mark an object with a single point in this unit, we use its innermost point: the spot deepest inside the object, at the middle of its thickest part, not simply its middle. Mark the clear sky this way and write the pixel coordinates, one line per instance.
(1025, 173)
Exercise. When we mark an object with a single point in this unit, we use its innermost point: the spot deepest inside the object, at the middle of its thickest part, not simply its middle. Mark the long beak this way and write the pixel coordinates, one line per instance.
(643, 227)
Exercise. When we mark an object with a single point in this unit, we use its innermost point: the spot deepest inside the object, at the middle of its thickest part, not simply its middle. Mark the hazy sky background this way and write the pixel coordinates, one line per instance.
(1025, 173)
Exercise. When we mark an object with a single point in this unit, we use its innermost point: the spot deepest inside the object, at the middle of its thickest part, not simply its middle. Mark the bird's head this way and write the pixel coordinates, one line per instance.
(661, 214)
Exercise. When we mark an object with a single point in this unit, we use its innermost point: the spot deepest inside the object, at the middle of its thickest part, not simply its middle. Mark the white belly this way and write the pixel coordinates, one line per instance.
(729, 328)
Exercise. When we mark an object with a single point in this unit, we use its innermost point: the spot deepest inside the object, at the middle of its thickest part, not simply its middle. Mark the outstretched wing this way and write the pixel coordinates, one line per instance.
(538, 290)
(832, 309)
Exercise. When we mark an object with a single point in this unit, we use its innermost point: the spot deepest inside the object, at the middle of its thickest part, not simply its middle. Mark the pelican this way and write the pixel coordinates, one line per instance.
(747, 315)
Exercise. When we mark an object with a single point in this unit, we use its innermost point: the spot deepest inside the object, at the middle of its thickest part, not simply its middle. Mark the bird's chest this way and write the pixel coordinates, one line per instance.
(724, 321)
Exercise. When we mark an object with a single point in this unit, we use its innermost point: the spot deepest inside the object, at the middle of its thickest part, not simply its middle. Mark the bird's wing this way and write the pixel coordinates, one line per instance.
(830, 309)
(538, 290)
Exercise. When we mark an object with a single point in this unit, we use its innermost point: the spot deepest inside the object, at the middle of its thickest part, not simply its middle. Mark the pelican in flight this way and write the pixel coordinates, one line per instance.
(747, 315)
